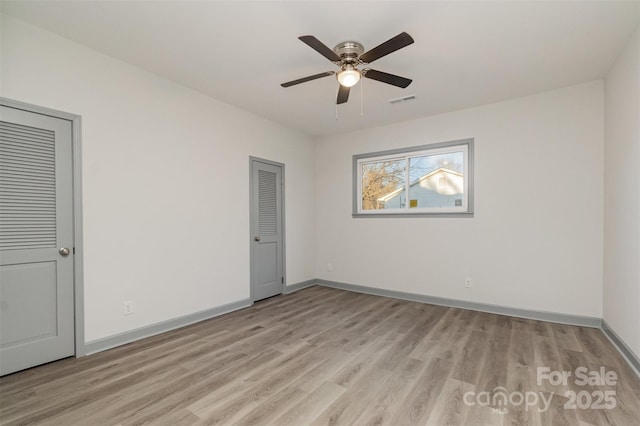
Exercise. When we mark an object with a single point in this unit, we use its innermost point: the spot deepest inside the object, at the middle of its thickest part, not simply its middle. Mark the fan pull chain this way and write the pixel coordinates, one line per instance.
(361, 97)
(337, 90)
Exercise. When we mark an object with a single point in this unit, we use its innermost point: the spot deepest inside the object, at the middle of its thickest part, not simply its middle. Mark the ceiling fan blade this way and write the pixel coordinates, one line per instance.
(343, 94)
(398, 42)
(384, 77)
(320, 47)
(309, 78)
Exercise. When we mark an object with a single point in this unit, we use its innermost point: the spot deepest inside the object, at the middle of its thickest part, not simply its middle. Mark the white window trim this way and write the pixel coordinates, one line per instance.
(466, 210)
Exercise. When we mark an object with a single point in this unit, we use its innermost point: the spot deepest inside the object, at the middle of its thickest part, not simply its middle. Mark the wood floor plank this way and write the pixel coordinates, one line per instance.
(397, 387)
(363, 362)
(571, 361)
(470, 364)
(113, 406)
(311, 406)
(493, 373)
(450, 408)
(547, 356)
(557, 414)
(355, 400)
(149, 393)
(326, 356)
(193, 386)
(275, 406)
(342, 358)
(480, 415)
(521, 348)
(442, 330)
(235, 392)
(418, 404)
(565, 337)
(520, 382)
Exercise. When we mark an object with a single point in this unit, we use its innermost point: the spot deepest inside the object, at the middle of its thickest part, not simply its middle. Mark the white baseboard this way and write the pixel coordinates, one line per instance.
(120, 339)
(584, 321)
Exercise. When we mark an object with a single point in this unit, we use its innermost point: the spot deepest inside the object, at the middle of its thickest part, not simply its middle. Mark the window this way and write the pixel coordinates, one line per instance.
(428, 180)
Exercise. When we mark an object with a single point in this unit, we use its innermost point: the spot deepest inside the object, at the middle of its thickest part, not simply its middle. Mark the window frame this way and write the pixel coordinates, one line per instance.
(406, 153)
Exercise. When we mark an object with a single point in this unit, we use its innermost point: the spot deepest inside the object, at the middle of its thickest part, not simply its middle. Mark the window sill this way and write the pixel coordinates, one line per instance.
(387, 215)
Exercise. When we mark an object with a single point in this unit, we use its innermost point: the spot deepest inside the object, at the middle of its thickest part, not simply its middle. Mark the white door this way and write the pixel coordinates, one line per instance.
(36, 239)
(267, 245)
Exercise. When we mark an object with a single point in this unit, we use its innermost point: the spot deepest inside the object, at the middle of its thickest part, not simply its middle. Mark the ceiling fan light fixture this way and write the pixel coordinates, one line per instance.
(348, 55)
(348, 76)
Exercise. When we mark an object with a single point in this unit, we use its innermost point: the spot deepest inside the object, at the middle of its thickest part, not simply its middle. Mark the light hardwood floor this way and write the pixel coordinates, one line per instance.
(324, 356)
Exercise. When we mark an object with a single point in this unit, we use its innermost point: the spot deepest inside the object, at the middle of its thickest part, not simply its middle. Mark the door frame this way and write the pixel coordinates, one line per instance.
(78, 262)
(252, 218)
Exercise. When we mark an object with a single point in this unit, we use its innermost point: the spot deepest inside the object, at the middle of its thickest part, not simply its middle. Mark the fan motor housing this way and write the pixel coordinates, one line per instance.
(349, 51)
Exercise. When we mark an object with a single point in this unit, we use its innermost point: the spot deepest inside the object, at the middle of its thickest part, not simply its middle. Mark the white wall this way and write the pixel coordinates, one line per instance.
(622, 195)
(165, 182)
(535, 241)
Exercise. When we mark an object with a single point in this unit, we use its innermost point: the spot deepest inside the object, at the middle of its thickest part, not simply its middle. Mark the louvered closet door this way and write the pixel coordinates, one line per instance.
(267, 251)
(36, 221)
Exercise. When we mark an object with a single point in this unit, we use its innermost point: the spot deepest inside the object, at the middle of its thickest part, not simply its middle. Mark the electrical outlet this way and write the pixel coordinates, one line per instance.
(467, 282)
(127, 307)
(329, 267)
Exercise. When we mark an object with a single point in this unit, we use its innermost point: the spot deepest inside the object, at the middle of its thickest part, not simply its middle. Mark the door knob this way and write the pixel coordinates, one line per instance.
(64, 251)
(256, 238)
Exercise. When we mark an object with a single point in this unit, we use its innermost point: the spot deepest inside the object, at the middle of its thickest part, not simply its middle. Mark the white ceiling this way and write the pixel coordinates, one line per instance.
(466, 53)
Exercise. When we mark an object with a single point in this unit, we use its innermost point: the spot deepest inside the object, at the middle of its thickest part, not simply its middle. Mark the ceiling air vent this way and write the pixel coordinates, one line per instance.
(402, 99)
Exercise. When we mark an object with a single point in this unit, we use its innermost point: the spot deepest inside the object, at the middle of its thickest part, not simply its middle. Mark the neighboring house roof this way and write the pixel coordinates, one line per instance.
(440, 170)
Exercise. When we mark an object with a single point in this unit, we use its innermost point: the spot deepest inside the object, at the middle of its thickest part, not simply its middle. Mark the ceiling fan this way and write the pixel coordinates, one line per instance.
(349, 55)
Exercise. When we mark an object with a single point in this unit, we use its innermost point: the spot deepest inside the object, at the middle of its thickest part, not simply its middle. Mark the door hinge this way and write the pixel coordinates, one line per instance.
(74, 250)
(282, 280)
